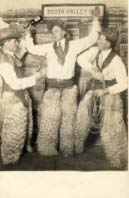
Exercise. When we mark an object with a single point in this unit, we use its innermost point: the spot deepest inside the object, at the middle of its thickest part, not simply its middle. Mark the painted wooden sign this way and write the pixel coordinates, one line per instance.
(72, 10)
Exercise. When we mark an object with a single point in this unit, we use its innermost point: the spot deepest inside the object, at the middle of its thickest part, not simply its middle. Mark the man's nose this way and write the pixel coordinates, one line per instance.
(16, 42)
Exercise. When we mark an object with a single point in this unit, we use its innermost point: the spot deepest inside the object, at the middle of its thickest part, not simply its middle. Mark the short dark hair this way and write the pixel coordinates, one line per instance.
(58, 23)
(111, 35)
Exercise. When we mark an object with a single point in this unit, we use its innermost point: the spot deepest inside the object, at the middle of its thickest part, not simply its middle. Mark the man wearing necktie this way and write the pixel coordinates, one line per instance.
(59, 105)
(109, 79)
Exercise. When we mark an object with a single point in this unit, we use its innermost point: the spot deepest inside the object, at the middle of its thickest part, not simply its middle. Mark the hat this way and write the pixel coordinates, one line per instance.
(58, 23)
(111, 35)
(14, 31)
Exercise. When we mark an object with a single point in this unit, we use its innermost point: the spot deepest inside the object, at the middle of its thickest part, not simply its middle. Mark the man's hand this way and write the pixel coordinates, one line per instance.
(101, 92)
(38, 76)
(97, 75)
(27, 31)
(96, 12)
(43, 72)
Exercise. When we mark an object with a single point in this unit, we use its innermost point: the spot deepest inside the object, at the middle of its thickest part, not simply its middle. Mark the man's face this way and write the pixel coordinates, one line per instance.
(58, 33)
(103, 44)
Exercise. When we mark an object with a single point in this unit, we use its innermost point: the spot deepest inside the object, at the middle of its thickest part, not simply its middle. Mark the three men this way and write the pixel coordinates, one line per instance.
(109, 79)
(59, 105)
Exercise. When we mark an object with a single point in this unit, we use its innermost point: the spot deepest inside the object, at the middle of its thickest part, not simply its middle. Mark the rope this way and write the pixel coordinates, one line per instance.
(96, 110)
(95, 115)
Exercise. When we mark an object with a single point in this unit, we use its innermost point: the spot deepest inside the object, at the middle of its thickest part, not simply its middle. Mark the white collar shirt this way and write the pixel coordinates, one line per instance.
(115, 70)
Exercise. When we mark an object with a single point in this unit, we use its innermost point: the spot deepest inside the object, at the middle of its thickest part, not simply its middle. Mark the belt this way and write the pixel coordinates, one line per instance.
(59, 83)
(97, 84)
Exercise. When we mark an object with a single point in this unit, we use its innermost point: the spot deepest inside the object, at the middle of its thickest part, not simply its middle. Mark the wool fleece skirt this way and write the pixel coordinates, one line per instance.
(57, 121)
(112, 127)
(15, 126)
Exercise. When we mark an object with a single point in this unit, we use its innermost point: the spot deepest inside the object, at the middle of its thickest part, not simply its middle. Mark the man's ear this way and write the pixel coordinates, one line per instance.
(64, 32)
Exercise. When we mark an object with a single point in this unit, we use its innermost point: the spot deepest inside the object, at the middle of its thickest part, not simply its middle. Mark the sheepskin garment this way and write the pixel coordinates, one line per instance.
(15, 118)
(58, 114)
(112, 128)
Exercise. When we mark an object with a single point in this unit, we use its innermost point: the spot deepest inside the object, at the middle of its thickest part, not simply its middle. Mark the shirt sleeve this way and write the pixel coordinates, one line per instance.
(90, 40)
(85, 60)
(120, 73)
(40, 50)
(8, 74)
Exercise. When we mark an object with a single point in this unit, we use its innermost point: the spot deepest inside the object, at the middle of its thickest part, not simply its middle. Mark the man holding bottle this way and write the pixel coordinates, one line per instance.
(59, 105)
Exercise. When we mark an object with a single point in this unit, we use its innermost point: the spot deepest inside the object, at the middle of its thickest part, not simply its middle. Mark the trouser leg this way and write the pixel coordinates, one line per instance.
(69, 109)
(82, 125)
(49, 123)
(13, 132)
(113, 131)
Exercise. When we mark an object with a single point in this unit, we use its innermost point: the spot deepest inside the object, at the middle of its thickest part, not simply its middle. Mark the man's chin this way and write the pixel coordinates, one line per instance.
(58, 39)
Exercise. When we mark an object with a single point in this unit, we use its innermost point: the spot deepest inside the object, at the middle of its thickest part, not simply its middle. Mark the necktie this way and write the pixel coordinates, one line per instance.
(60, 47)
(61, 57)
(97, 60)
(100, 59)
(61, 54)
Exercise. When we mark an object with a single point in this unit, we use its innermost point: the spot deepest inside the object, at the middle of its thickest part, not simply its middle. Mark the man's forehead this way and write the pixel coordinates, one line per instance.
(57, 27)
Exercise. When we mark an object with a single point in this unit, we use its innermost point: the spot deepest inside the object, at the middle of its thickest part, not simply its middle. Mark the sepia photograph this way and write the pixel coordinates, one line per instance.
(63, 86)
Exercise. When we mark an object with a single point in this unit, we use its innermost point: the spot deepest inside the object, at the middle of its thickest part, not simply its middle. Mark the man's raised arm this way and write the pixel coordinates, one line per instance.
(91, 39)
(40, 50)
